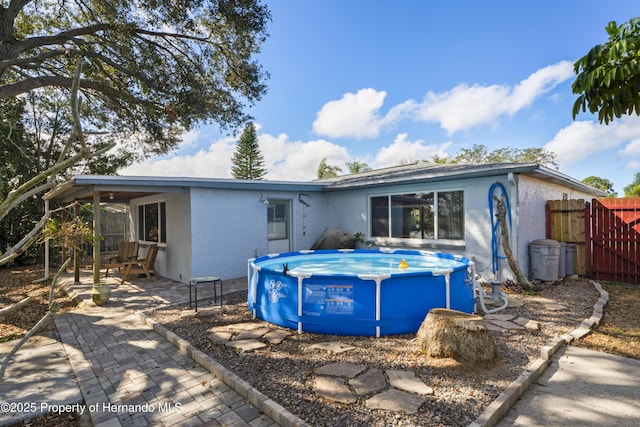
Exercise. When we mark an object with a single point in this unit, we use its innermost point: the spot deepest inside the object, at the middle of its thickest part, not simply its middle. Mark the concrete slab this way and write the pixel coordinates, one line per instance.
(252, 334)
(220, 337)
(581, 387)
(555, 307)
(333, 346)
(38, 377)
(334, 389)
(246, 345)
(492, 316)
(395, 400)
(407, 381)
(490, 326)
(370, 381)
(504, 324)
(244, 326)
(532, 325)
(340, 369)
(276, 336)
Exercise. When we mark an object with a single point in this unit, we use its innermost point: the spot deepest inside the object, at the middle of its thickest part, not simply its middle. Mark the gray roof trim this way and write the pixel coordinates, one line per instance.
(81, 185)
(421, 172)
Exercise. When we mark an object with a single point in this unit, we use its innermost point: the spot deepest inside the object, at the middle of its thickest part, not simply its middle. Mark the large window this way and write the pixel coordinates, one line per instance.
(435, 215)
(152, 222)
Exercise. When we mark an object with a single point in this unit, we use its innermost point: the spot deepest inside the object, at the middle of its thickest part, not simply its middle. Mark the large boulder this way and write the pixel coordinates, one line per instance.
(334, 238)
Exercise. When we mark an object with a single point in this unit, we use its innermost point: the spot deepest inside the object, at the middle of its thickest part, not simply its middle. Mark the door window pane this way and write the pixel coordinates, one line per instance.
(380, 216)
(278, 219)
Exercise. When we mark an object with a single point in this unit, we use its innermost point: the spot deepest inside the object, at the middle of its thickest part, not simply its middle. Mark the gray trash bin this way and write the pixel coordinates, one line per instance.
(562, 261)
(545, 257)
(570, 257)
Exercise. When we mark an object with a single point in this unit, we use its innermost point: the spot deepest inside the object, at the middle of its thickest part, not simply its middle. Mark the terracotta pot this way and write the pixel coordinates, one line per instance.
(100, 293)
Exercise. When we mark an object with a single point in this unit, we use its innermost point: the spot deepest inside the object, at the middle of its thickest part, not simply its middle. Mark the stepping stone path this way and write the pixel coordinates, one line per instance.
(501, 322)
(346, 382)
(333, 346)
(247, 336)
(390, 390)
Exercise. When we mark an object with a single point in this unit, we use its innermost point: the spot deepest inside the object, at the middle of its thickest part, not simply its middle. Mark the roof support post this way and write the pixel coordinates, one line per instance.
(96, 236)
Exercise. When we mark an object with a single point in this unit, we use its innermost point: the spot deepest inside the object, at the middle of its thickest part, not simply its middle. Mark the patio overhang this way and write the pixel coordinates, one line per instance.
(125, 188)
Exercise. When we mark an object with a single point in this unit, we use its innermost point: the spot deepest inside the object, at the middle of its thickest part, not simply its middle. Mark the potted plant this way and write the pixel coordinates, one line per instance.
(359, 239)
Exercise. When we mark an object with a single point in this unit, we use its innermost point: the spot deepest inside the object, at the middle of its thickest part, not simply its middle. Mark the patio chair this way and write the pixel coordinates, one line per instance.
(140, 266)
(127, 251)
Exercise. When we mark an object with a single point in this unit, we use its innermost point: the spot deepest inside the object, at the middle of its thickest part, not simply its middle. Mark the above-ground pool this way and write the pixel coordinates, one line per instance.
(357, 292)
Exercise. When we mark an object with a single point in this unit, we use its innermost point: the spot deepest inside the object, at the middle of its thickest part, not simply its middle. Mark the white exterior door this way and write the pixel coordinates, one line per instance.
(279, 226)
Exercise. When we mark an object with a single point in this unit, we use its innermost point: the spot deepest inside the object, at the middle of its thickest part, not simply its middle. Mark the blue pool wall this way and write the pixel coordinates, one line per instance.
(405, 299)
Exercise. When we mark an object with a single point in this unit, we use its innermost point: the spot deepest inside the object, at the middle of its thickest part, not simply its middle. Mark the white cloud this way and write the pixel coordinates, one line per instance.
(465, 107)
(631, 149)
(358, 115)
(355, 115)
(582, 139)
(298, 160)
(284, 159)
(213, 162)
(404, 150)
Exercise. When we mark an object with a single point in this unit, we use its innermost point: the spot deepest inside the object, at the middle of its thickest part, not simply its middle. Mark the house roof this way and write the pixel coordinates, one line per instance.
(125, 188)
(430, 172)
(115, 188)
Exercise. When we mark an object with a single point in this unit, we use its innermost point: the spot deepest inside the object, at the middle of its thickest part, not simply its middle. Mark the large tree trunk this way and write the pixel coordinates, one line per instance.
(453, 334)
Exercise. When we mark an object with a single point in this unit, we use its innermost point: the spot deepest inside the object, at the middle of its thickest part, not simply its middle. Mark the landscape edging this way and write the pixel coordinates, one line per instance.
(263, 403)
(499, 407)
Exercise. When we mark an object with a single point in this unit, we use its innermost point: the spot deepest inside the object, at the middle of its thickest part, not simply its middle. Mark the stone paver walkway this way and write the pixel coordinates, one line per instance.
(130, 375)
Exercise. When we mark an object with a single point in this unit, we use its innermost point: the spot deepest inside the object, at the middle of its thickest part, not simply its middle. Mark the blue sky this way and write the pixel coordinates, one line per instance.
(388, 81)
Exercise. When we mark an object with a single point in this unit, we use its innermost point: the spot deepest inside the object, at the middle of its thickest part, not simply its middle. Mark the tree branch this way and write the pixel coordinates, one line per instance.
(53, 308)
(15, 306)
(513, 263)
(24, 196)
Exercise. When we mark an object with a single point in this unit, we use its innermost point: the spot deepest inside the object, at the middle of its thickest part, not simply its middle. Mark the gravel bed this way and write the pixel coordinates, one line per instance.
(284, 372)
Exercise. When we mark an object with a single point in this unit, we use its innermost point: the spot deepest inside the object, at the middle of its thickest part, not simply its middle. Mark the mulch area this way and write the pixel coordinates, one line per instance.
(619, 332)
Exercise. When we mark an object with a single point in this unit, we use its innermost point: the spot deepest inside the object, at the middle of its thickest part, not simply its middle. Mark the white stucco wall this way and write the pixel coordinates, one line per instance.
(230, 226)
(174, 257)
(215, 231)
(349, 210)
(531, 200)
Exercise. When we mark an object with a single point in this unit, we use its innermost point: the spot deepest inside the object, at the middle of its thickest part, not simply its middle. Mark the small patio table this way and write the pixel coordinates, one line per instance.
(197, 281)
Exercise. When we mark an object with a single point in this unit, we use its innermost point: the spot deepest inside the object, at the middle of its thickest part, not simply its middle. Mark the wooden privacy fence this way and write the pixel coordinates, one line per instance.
(615, 237)
(607, 232)
(568, 221)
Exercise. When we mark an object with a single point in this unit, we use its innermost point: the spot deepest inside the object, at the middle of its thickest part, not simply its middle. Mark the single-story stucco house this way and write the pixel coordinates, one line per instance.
(208, 226)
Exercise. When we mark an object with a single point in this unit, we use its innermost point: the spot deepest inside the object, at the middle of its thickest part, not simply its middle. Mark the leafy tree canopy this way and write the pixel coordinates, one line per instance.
(357, 166)
(608, 76)
(248, 161)
(633, 189)
(327, 171)
(150, 68)
(601, 184)
(479, 153)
